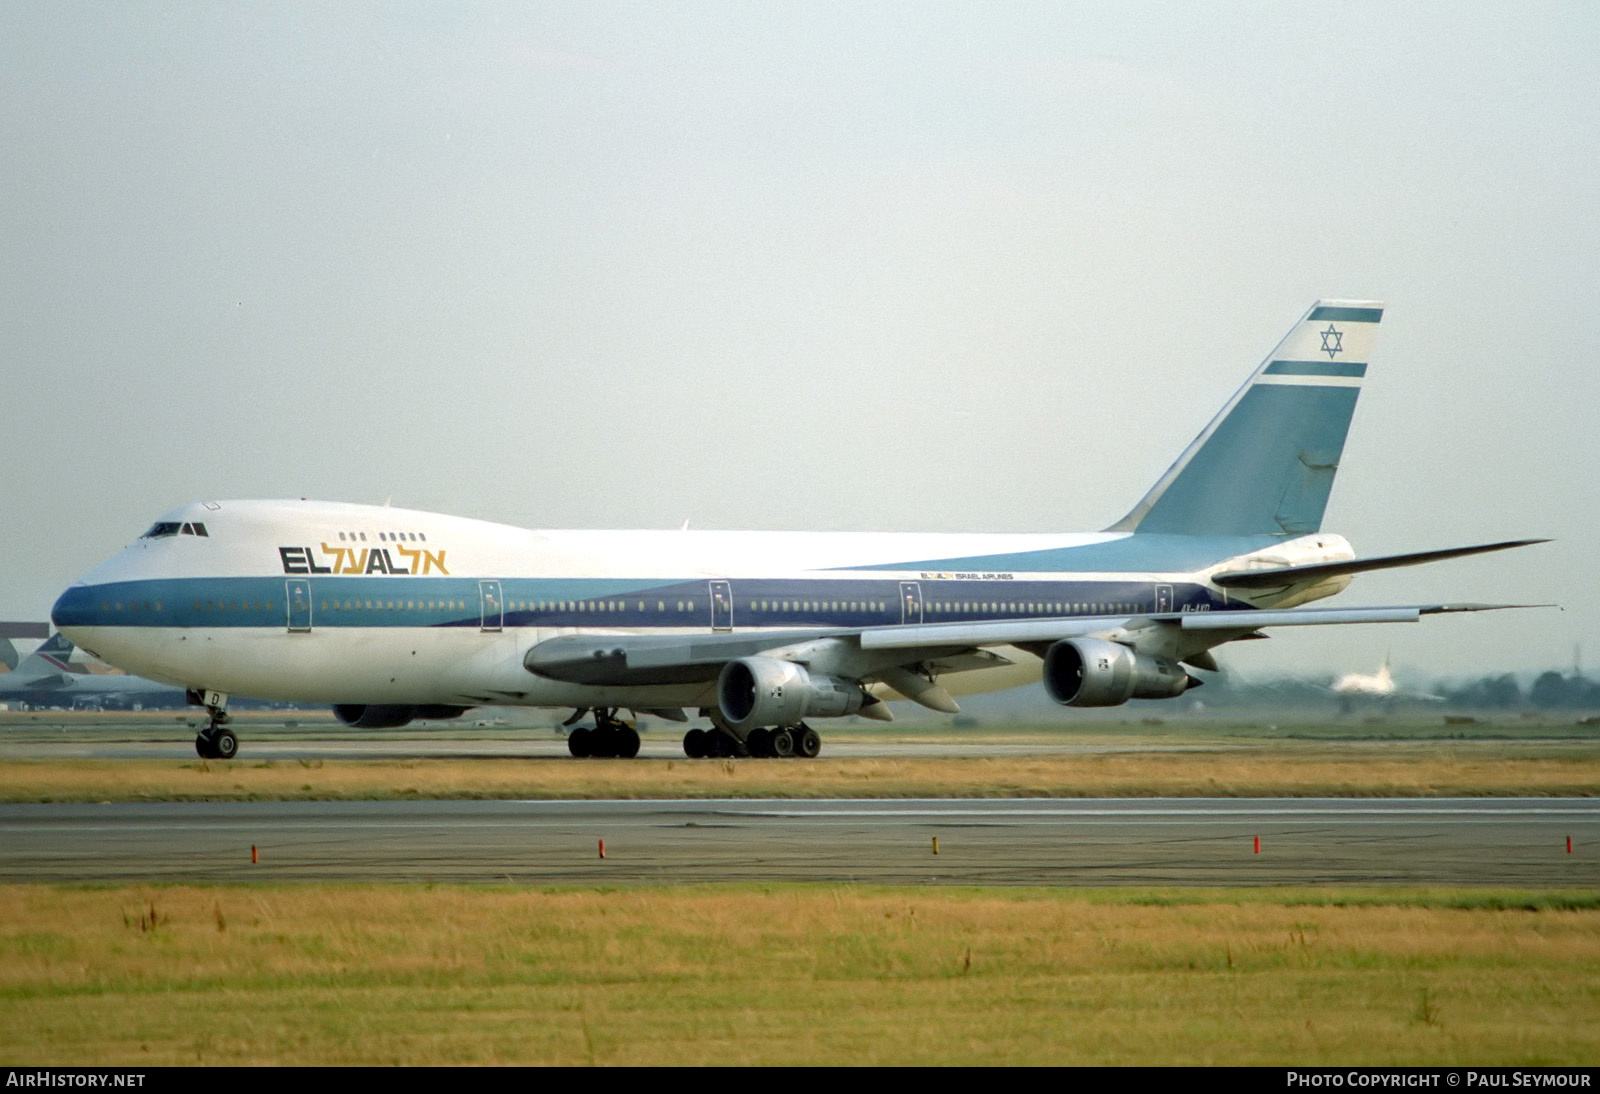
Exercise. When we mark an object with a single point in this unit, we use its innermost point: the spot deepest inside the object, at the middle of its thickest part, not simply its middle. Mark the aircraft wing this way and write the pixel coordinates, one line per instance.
(625, 659)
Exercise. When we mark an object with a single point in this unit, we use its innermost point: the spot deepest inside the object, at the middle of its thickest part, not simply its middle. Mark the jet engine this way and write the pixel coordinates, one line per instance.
(1091, 672)
(755, 692)
(391, 717)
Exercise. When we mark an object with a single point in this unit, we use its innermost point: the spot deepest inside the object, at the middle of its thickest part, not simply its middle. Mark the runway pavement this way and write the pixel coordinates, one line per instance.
(1503, 842)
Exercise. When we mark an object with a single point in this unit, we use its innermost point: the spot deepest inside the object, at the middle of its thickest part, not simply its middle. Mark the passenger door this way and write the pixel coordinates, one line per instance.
(491, 608)
(721, 606)
(910, 602)
(297, 594)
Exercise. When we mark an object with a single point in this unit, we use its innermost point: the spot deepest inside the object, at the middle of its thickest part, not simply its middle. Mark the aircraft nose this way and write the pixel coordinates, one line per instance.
(73, 608)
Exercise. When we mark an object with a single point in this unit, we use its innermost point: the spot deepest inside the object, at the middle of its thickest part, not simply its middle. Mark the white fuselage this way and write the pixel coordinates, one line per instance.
(335, 603)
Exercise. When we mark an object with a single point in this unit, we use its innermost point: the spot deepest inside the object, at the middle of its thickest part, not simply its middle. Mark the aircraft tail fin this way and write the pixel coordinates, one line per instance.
(55, 656)
(1265, 464)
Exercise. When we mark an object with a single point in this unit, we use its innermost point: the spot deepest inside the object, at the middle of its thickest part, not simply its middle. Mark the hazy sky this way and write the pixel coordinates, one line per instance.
(887, 266)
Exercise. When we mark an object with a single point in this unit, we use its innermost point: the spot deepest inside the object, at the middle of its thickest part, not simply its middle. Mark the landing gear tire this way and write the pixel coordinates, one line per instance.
(695, 745)
(781, 743)
(623, 742)
(759, 743)
(217, 744)
(724, 745)
(807, 743)
(611, 739)
(214, 742)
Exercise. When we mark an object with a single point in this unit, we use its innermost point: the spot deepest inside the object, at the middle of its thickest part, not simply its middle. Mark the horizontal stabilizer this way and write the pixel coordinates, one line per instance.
(1289, 575)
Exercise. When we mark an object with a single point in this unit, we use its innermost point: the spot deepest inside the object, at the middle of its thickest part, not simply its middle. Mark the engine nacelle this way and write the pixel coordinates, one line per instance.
(756, 692)
(375, 716)
(1091, 672)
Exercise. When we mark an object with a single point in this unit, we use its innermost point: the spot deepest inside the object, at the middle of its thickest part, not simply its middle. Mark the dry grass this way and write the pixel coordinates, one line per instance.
(1303, 770)
(407, 975)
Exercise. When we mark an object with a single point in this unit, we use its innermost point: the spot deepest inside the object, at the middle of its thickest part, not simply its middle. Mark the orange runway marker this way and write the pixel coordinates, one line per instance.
(602, 848)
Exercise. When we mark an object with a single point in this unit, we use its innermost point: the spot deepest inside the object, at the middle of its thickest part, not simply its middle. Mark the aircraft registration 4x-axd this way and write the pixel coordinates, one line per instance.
(392, 615)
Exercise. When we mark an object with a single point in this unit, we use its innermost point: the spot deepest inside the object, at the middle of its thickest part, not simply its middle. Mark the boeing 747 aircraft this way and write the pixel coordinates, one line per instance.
(391, 615)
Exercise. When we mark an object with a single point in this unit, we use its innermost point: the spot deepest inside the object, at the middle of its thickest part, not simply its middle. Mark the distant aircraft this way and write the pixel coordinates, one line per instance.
(1379, 684)
(47, 678)
(10, 630)
(1376, 685)
(392, 615)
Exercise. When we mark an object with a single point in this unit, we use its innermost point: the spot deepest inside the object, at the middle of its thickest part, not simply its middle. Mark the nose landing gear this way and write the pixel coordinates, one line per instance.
(216, 741)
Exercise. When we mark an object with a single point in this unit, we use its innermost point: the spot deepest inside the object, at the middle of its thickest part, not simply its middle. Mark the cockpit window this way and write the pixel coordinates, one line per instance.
(163, 528)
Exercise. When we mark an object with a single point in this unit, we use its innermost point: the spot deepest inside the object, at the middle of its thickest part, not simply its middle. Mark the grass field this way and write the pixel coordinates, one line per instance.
(402, 974)
(1298, 769)
(803, 975)
(1210, 758)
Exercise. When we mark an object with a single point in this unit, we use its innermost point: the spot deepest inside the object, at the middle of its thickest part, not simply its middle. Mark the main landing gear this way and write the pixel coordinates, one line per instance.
(611, 737)
(781, 743)
(216, 741)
